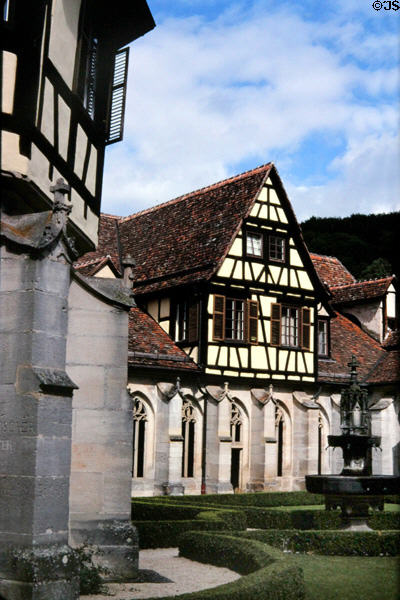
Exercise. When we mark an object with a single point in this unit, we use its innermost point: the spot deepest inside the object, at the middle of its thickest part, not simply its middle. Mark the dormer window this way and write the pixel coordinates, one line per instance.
(277, 248)
(186, 321)
(254, 244)
(323, 337)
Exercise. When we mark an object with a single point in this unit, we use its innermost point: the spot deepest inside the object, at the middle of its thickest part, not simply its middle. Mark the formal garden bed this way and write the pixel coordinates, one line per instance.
(284, 544)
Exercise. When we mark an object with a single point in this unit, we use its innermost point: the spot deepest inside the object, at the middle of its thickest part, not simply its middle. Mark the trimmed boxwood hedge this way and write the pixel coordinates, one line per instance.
(313, 519)
(160, 532)
(239, 517)
(266, 575)
(338, 543)
(143, 510)
(250, 499)
(166, 534)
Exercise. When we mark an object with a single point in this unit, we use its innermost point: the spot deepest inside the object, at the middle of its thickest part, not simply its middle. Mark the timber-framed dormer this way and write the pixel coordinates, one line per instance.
(64, 67)
(225, 272)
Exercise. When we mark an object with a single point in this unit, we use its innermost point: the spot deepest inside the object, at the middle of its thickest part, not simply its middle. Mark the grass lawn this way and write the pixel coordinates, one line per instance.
(349, 578)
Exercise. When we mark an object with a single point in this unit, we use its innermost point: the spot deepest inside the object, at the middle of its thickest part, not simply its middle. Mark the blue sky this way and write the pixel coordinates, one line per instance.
(221, 87)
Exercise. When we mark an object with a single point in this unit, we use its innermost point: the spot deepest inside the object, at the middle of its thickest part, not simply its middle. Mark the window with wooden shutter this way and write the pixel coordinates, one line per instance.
(219, 317)
(306, 328)
(118, 97)
(252, 321)
(275, 324)
(193, 318)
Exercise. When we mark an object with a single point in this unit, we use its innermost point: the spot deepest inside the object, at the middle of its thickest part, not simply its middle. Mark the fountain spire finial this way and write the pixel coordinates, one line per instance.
(353, 364)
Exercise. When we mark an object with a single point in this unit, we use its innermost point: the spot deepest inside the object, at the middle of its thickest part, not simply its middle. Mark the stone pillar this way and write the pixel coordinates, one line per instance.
(174, 486)
(35, 410)
(101, 465)
(270, 448)
(169, 449)
(260, 399)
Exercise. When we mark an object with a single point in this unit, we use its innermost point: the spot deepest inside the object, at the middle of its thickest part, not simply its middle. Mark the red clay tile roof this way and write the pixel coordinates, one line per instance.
(149, 345)
(392, 340)
(331, 271)
(348, 339)
(386, 370)
(185, 239)
(108, 248)
(360, 291)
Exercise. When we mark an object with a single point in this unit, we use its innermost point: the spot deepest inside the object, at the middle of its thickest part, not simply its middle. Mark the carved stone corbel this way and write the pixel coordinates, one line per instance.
(381, 404)
(43, 232)
(262, 395)
(169, 390)
(305, 400)
(216, 392)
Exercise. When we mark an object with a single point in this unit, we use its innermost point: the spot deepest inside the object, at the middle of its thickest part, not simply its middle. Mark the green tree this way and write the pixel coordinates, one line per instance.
(380, 267)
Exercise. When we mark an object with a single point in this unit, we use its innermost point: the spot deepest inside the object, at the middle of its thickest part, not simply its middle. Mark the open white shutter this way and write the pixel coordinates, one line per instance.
(118, 96)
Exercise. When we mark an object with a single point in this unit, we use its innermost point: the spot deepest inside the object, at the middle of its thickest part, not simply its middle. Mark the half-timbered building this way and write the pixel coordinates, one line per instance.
(240, 341)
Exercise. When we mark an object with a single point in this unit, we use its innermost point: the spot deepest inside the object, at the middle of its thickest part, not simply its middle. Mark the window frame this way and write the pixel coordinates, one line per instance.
(284, 259)
(190, 321)
(324, 321)
(254, 233)
(250, 320)
(290, 328)
(303, 326)
(238, 324)
(86, 61)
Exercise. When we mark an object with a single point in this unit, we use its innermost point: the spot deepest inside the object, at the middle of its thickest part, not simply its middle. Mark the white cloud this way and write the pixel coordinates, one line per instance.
(367, 180)
(204, 97)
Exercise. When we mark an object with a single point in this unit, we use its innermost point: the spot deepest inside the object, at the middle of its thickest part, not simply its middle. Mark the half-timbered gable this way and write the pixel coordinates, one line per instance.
(263, 306)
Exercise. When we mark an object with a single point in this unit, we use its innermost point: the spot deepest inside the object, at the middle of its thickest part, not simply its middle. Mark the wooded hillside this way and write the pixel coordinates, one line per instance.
(368, 245)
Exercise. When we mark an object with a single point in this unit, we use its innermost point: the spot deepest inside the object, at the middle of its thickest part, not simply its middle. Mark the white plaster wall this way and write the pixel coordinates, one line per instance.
(63, 37)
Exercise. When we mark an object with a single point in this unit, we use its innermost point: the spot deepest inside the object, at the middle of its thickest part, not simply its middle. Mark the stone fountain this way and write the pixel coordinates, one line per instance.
(355, 490)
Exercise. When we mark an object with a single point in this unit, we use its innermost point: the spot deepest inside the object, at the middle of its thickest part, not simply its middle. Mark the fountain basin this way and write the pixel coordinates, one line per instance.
(354, 495)
(373, 485)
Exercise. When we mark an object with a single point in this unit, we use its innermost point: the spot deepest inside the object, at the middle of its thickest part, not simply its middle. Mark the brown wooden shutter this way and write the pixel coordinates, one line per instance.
(193, 322)
(306, 327)
(219, 317)
(252, 319)
(275, 324)
(118, 96)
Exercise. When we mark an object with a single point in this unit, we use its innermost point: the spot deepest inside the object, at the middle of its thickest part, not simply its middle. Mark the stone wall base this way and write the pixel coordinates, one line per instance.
(40, 573)
(114, 543)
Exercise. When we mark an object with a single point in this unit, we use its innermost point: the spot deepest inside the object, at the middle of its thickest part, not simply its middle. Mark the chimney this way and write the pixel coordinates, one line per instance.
(128, 264)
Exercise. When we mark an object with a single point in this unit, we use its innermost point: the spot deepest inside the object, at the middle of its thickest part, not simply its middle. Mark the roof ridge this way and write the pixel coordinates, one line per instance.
(212, 186)
(362, 282)
(111, 216)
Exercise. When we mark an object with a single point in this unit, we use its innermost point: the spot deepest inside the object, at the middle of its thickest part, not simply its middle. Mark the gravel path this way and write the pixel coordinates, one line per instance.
(164, 573)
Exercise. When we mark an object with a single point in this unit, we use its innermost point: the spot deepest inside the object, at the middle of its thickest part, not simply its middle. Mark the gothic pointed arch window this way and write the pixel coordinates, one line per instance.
(236, 423)
(236, 434)
(139, 437)
(279, 432)
(188, 435)
(322, 443)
